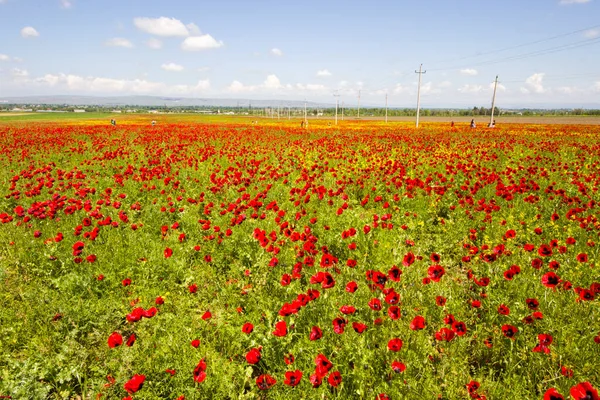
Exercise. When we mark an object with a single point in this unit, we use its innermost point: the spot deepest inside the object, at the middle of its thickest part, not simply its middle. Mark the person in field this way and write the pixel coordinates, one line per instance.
(473, 123)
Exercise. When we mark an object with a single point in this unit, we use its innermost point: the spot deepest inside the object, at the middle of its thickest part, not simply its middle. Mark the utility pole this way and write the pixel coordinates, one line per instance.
(337, 99)
(493, 102)
(358, 116)
(420, 72)
(386, 108)
(342, 110)
(305, 120)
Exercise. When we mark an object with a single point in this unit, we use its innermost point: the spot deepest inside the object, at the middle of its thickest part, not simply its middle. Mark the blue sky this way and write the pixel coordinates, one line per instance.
(545, 51)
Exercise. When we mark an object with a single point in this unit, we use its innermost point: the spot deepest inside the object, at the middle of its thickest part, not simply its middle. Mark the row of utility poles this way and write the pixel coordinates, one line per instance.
(420, 72)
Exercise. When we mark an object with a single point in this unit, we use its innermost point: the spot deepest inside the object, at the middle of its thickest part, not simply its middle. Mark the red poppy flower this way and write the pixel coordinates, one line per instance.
(280, 329)
(171, 372)
(392, 298)
(509, 331)
(408, 259)
(582, 257)
(193, 288)
(545, 250)
(253, 356)
(553, 394)
(347, 310)
(200, 371)
(359, 327)
(375, 304)
(472, 387)
(440, 301)
(533, 304)
(207, 315)
(436, 272)
(394, 274)
(131, 340)
(134, 384)
(335, 378)
(323, 365)
(351, 287)
(528, 247)
(114, 340)
(289, 359)
(316, 333)
(316, 380)
(503, 309)
(159, 300)
(195, 343)
(459, 328)
(265, 382)
(586, 295)
(338, 325)
(247, 328)
(537, 263)
(149, 313)
(444, 334)
(395, 344)
(418, 323)
(394, 312)
(566, 371)
(550, 279)
(292, 378)
(168, 252)
(398, 367)
(584, 391)
(126, 282)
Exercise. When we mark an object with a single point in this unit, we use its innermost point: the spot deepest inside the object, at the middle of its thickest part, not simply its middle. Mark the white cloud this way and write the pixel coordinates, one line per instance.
(500, 88)
(204, 42)
(29, 32)
(119, 42)
(276, 52)
(203, 69)
(19, 73)
(103, 85)
(193, 29)
(154, 43)
(591, 33)
(4, 57)
(162, 26)
(597, 86)
(445, 84)
(469, 71)
(568, 90)
(429, 88)
(272, 82)
(400, 89)
(172, 67)
(66, 4)
(574, 1)
(534, 83)
(239, 87)
(470, 89)
(323, 72)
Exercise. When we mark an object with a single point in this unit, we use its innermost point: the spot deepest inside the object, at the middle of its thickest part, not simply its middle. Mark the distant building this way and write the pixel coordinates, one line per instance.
(79, 111)
(116, 111)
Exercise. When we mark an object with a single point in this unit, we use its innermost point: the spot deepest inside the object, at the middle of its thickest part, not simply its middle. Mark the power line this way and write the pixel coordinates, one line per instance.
(523, 44)
(521, 56)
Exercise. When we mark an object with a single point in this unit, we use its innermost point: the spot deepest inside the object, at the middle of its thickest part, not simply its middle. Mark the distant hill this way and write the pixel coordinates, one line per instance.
(154, 101)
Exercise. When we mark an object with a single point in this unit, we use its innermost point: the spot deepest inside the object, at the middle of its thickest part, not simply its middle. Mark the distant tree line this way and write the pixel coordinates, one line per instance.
(311, 111)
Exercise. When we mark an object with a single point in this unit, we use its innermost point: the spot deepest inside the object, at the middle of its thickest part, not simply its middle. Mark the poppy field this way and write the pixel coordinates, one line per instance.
(265, 261)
